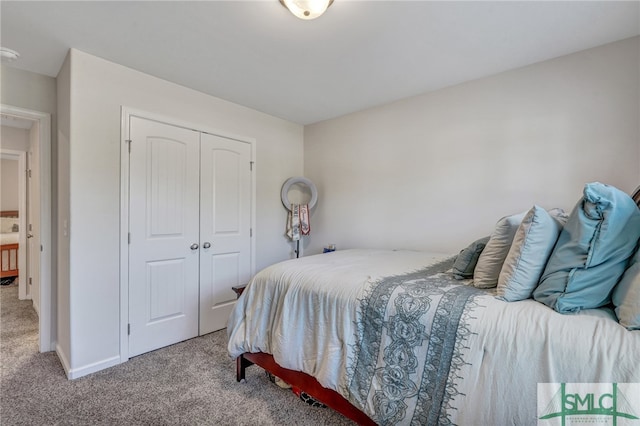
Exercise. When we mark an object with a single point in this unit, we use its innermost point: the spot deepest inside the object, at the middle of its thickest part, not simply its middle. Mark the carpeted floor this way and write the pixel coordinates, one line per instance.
(190, 383)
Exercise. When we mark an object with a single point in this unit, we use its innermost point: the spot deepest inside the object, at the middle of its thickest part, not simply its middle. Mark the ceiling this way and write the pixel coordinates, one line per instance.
(358, 55)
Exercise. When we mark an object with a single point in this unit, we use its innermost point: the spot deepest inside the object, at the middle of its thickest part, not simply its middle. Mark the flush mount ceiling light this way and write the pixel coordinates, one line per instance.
(307, 9)
(8, 55)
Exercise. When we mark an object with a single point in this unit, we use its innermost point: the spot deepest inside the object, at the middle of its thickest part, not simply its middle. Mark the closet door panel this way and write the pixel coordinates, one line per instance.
(225, 222)
(163, 219)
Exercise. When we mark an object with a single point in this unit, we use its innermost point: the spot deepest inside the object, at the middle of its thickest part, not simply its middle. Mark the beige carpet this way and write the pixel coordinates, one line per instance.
(190, 383)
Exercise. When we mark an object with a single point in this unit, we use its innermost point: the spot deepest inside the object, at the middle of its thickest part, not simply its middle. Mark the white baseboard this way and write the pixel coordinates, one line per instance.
(75, 373)
(63, 360)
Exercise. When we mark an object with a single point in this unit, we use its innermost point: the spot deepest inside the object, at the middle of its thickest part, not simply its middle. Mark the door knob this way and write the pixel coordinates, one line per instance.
(206, 245)
(194, 246)
(29, 235)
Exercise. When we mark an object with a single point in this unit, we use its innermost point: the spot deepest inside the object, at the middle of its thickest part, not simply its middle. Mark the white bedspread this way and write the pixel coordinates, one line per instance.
(462, 357)
(513, 346)
(310, 304)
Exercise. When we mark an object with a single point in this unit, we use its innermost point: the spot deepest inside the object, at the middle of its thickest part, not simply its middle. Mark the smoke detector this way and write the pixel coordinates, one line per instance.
(8, 55)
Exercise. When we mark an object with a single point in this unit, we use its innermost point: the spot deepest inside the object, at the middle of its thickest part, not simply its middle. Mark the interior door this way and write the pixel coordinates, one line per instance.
(164, 227)
(225, 226)
(33, 227)
(26, 268)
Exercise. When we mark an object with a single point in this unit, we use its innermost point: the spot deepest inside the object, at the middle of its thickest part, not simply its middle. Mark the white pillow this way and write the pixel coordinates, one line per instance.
(6, 224)
(492, 257)
(532, 245)
(626, 295)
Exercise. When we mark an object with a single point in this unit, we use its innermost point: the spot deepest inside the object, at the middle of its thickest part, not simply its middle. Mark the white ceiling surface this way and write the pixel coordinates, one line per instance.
(358, 55)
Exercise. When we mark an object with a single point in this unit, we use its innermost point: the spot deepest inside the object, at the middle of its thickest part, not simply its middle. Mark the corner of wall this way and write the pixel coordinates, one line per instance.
(64, 360)
(76, 373)
(63, 296)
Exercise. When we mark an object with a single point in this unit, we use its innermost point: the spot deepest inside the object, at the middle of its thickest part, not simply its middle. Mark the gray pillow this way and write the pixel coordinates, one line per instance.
(626, 295)
(466, 261)
(492, 257)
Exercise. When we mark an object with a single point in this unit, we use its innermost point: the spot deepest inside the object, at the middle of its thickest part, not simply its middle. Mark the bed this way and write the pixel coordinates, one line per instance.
(405, 337)
(9, 243)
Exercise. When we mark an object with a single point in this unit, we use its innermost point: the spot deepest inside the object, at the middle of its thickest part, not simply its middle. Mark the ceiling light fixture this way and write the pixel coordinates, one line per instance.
(8, 55)
(307, 9)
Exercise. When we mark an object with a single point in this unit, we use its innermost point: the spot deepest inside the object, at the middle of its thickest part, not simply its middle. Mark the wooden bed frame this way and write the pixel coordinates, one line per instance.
(303, 381)
(9, 252)
(309, 384)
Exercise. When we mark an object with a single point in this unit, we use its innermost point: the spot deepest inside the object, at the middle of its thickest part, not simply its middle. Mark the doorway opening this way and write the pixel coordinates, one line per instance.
(31, 149)
(13, 209)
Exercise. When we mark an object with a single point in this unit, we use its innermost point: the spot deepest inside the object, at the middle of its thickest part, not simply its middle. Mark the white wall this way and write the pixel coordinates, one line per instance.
(98, 89)
(436, 171)
(63, 296)
(14, 138)
(28, 90)
(9, 186)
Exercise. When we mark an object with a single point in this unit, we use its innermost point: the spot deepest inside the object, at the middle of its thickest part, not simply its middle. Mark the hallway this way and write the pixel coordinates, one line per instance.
(18, 327)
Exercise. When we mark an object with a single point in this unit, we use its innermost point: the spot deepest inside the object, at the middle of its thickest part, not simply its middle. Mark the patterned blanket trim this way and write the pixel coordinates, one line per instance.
(410, 298)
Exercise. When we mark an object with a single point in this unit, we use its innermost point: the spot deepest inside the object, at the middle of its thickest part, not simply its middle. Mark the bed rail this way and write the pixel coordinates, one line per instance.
(307, 383)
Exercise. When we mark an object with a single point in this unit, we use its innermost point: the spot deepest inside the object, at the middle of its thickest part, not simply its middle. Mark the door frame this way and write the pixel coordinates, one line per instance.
(21, 158)
(46, 322)
(126, 114)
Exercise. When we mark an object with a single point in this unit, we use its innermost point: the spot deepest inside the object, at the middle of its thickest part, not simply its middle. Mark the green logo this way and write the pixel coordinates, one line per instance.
(589, 403)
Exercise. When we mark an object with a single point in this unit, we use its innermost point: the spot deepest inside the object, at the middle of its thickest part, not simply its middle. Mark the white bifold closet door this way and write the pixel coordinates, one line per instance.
(225, 224)
(189, 219)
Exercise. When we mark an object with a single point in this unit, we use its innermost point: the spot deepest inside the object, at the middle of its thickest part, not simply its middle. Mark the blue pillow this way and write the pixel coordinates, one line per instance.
(592, 251)
(532, 245)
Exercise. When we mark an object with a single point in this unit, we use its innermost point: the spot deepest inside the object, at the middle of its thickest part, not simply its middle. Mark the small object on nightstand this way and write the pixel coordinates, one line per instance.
(238, 289)
(329, 248)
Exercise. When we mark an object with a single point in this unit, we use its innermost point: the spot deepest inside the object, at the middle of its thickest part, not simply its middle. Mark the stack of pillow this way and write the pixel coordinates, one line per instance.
(582, 261)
